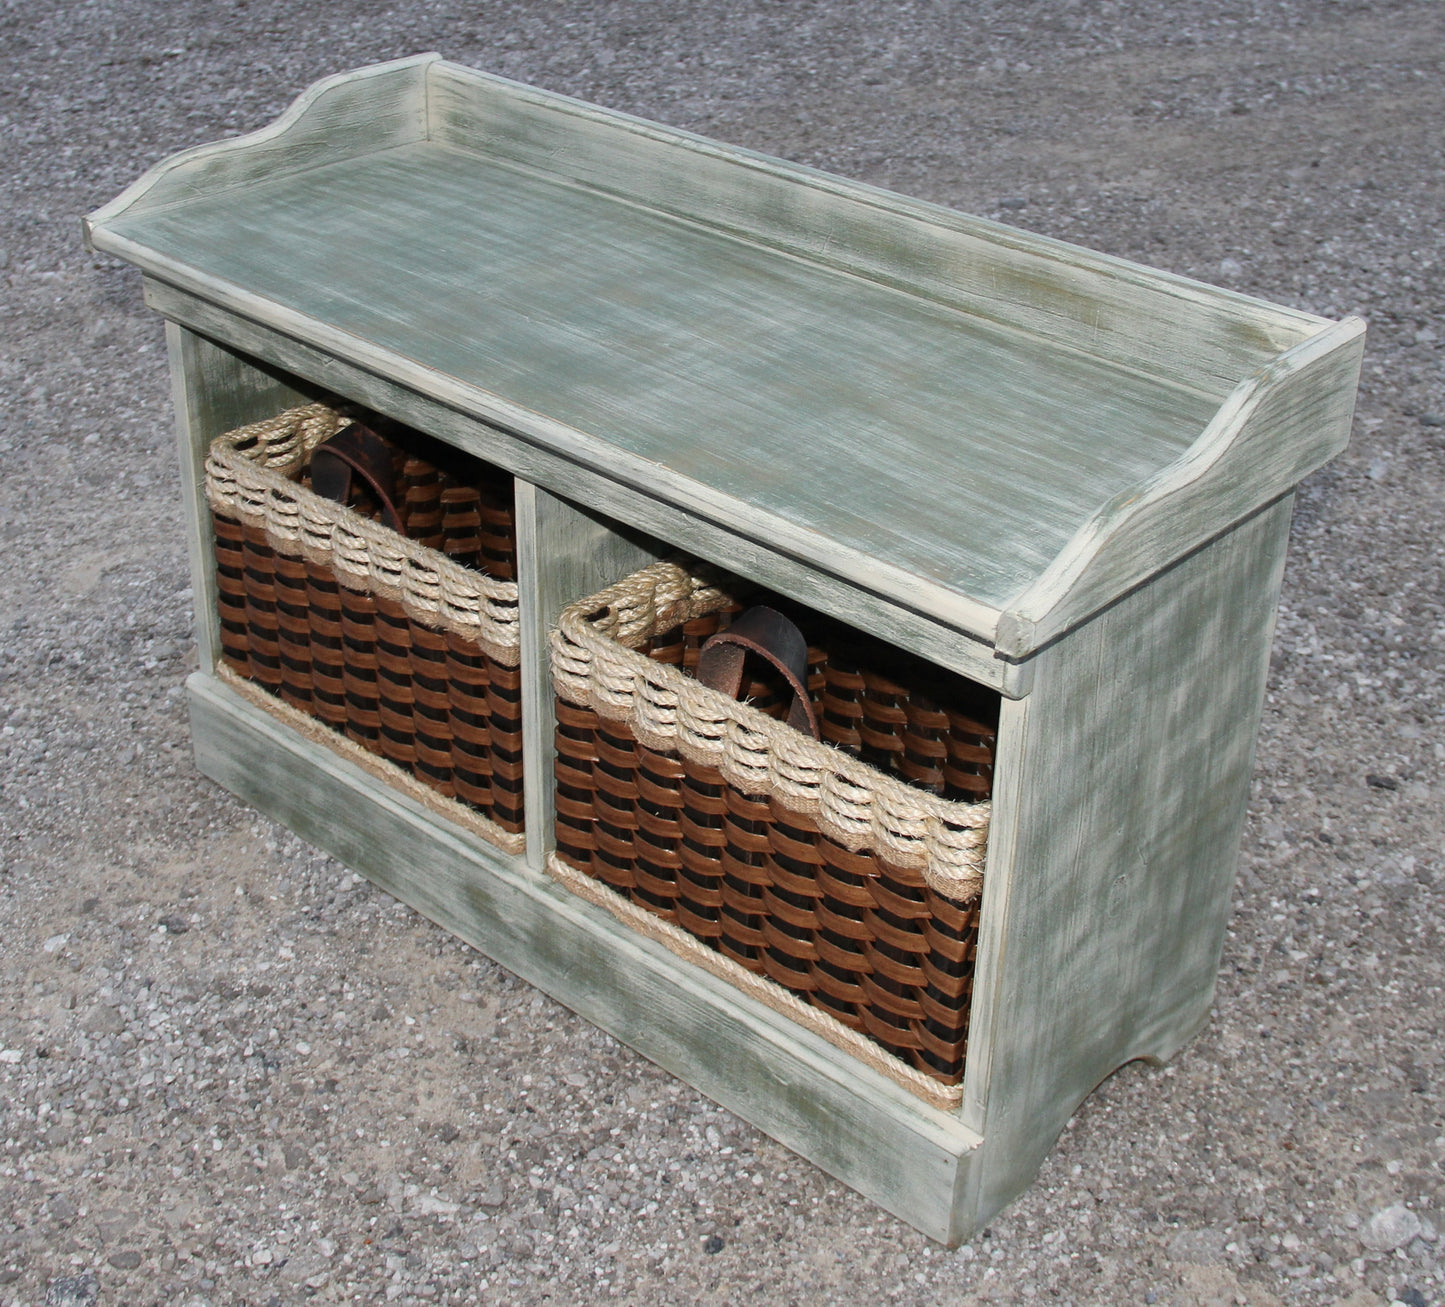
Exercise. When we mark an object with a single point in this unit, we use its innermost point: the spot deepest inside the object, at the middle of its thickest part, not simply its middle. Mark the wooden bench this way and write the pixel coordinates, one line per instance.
(1064, 476)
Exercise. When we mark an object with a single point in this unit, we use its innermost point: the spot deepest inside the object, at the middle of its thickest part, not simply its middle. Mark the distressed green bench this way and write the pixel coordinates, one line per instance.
(1062, 475)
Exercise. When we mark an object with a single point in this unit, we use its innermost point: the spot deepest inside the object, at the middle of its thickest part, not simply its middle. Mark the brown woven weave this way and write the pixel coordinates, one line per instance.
(866, 940)
(889, 708)
(428, 698)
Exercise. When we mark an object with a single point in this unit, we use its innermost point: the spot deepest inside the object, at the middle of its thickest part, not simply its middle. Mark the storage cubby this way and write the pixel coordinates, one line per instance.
(742, 818)
(389, 617)
(1056, 478)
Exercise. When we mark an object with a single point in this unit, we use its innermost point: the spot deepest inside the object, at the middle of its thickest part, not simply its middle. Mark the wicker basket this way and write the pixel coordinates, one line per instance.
(405, 646)
(766, 853)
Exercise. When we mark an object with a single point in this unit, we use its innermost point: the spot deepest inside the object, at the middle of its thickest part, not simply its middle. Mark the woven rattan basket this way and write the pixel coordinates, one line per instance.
(841, 893)
(401, 644)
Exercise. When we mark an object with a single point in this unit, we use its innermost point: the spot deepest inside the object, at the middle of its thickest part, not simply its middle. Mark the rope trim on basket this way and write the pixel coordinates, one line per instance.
(382, 768)
(766, 991)
(595, 664)
(249, 475)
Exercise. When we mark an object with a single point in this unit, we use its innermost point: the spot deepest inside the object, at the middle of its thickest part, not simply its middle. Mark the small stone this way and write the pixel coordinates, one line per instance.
(713, 1245)
(1412, 1297)
(1432, 420)
(447, 1133)
(101, 1020)
(430, 1205)
(175, 924)
(1230, 267)
(1377, 781)
(55, 943)
(125, 1261)
(61, 1208)
(11, 1055)
(1390, 1228)
(72, 1291)
(295, 1156)
(494, 1196)
(1014, 202)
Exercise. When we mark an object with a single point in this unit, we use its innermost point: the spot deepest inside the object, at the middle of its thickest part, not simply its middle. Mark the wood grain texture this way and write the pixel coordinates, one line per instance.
(353, 113)
(850, 1121)
(1119, 797)
(1075, 299)
(847, 595)
(935, 408)
(846, 415)
(213, 391)
(1290, 418)
(563, 554)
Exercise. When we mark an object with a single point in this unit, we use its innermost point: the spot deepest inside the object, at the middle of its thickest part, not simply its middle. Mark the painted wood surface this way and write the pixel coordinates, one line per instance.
(849, 599)
(869, 420)
(903, 432)
(213, 391)
(1119, 798)
(852, 1122)
(350, 114)
(1139, 318)
(1281, 424)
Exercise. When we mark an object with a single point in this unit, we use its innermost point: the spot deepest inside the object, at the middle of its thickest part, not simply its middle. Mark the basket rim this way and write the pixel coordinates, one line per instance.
(258, 489)
(596, 664)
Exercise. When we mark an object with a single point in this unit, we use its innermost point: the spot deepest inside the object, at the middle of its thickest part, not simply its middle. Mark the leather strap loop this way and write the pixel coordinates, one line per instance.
(356, 449)
(766, 632)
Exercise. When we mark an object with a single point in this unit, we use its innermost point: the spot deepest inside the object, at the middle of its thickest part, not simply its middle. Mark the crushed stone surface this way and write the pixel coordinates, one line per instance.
(231, 1072)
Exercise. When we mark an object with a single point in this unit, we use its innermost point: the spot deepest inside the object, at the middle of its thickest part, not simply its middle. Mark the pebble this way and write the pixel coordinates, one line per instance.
(72, 1291)
(1390, 1228)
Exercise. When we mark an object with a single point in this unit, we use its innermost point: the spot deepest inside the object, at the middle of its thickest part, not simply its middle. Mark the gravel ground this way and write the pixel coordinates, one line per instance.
(234, 1073)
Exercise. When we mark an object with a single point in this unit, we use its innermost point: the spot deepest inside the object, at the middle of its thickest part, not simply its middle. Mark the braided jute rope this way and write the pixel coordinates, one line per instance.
(595, 664)
(768, 992)
(249, 475)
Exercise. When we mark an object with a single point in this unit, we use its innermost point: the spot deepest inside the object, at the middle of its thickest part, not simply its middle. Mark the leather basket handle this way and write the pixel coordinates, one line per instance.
(767, 633)
(356, 450)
